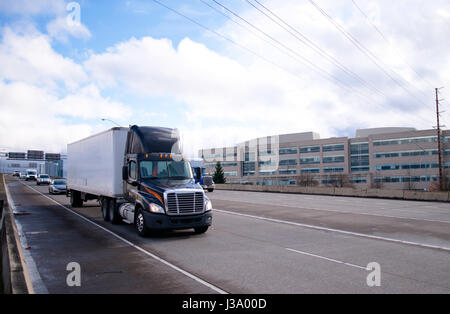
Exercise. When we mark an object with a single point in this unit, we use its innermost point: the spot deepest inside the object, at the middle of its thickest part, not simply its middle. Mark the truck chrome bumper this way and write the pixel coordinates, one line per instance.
(159, 221)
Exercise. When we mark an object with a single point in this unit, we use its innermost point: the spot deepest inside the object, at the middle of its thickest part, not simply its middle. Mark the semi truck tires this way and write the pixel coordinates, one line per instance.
(114, 216)
(105, 208)
(75, 199)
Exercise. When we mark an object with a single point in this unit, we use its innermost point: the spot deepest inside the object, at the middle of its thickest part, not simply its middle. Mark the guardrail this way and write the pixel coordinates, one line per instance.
(12, 279)
(372, 193)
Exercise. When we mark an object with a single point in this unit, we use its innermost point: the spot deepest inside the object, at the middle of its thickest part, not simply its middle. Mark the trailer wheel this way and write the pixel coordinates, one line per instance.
(114, 216)
(139, 223)
(105, 208)
(200, 230)
(75, 199)
(210, 190)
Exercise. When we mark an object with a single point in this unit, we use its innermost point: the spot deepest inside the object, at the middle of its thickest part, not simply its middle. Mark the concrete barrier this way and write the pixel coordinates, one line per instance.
(373, 193)
(12, 279)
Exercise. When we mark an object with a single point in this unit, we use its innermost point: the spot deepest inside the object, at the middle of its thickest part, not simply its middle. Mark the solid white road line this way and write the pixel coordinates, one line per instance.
(362, 235)
(326, 258)
(199, 280)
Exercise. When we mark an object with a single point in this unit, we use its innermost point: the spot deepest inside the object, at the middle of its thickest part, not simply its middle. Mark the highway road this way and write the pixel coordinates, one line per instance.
(259, 243)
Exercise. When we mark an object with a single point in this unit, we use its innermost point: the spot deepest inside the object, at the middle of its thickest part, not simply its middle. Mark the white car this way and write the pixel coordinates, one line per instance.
(31, 174)
(43, 179)
(57, 186)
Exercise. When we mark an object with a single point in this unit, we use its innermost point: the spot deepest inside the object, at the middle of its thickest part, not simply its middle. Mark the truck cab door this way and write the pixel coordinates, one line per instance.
(131, 182)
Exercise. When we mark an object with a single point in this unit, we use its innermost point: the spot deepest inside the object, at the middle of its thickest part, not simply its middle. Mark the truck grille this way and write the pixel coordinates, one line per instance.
(185, 203)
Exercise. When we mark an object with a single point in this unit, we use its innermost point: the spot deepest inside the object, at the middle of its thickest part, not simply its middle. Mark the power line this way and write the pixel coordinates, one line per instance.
(309, 43)
(391, 45)
(227, 39)
(245, 48)
(306, 41)
(310, 64)
(305, 60)
(375, 60)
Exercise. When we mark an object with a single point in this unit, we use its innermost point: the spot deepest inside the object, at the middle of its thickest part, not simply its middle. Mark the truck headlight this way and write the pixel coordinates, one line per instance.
(208, 205)
(154, 208)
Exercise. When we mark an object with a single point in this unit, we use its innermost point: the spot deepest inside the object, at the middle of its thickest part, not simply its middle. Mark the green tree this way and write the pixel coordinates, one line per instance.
(219, 176)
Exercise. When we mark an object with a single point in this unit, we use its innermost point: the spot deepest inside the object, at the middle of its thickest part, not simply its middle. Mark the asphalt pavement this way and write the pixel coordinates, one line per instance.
(259, 243)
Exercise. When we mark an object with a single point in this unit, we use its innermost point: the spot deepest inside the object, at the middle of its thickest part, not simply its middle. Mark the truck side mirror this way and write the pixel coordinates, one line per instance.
(125, 173)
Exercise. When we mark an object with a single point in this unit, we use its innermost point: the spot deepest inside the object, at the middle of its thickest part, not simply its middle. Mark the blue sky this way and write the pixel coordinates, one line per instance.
(136, 62)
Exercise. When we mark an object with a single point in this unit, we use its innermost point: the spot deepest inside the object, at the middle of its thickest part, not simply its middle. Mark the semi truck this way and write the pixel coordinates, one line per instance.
(200, 176)
(139, 176)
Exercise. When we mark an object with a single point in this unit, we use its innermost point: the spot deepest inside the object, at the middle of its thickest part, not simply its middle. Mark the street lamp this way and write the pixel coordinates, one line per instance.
(104, 119)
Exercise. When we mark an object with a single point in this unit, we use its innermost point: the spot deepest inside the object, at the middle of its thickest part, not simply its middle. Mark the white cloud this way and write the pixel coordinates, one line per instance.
(30, 58)
(60, 29)
(230, 96)
(45, 99)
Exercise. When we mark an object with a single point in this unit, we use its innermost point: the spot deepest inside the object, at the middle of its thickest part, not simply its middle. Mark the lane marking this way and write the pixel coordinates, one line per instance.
(362, 235)
(33, 279)
(346, 212)
(326, 258)
(192, 276)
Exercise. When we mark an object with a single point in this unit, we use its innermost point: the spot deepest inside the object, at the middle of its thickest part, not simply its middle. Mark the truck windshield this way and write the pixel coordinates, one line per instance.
(165, 169)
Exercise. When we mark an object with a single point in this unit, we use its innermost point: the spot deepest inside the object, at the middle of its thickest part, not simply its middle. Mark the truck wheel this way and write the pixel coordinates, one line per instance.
(105, 208)
(200, 230)
(114, 216)
(75, 199)
(139, 223)
(210, 190)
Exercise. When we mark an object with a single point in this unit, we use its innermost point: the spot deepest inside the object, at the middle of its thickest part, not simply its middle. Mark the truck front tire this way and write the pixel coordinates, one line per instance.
(139, 223)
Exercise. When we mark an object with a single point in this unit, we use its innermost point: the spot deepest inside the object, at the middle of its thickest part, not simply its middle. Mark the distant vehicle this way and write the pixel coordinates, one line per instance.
(22, 176)
(43, 179)
(139, 176)
(201, 177)
(57, 186)
(31, 174)
(16, 173)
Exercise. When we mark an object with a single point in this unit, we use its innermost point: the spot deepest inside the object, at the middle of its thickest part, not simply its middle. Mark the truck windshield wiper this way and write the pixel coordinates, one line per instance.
(179, 177)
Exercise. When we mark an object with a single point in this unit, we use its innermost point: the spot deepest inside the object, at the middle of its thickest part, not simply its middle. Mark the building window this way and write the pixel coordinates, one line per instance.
(229, 164)
(409, 166)
(401, 141)
(248, 168)
(288, 162)
(310, 160)
(286, 182)
(310, 170)
(333, 159)
(309, 149)
(288, 151)
(333, 169)
(230, 174)
(287, 171)
(333, 147)
(267, 173)
(359, 157)
(358, 180)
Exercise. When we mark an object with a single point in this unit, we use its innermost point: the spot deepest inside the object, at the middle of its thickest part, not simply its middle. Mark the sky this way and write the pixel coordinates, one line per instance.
(222, 72)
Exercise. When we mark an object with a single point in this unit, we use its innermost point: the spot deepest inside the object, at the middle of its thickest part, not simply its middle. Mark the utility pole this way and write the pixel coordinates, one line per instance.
(441, 183)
